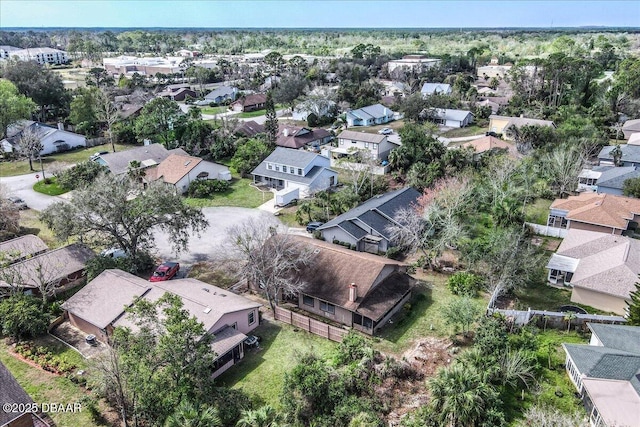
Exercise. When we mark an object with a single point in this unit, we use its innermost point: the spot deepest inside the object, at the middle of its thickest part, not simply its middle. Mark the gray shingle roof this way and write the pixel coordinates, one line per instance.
(287, 156)
(375, 111)
(221, 91)
(630, 153)
(376, 212)
(10, 392)
(362, 136)
(450, 114)
(118, 162)
(619, 337)
(431, 88)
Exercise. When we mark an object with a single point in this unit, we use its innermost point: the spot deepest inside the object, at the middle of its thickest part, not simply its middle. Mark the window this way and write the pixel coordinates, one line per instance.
(307, 300)
(366, 145)
(327, 307)
(354, 142)
(269, 166)
(252, 318)
(299, 171)
(342, 142)
(277, 168)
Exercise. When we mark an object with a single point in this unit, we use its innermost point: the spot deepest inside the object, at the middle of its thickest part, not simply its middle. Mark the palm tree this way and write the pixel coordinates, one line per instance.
(569, 316)
(460, 396)
(189, 415)
(265, 416)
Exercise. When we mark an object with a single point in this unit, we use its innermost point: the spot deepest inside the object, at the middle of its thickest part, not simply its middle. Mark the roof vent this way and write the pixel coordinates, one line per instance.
(223, 295)
(207, 310)
(187, 162)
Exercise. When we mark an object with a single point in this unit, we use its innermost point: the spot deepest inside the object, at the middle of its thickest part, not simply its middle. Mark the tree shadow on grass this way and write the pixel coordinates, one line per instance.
(409, 315)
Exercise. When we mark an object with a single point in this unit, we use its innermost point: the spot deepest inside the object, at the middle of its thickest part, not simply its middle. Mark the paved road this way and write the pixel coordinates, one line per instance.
(22, 186)
(213, 239)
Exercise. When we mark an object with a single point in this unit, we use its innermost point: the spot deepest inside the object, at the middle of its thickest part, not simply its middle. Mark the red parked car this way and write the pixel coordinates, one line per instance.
(165, 271)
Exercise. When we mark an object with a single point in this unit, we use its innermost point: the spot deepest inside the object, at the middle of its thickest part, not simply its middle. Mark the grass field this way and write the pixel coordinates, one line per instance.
(45, 387)
(465, 131)
(21, 167)
(261, 373)
(30, 224)
(51, 189)
(214, 110)
(241, 194)
(538, 211)
(424, 316)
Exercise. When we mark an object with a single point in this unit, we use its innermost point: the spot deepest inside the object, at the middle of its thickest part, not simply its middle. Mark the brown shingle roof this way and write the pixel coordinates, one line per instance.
(22, 247)
(11, 393)
(600, 209)
(298, 137)
(53, 266)
(249, 100)
(173, 168)
(380, 282)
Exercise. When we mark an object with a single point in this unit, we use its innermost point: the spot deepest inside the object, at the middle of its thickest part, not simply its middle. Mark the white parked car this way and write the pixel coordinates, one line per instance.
(113, 253)
(385, 131)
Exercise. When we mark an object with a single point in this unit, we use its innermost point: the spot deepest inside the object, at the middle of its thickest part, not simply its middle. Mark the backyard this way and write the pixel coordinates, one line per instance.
(46, 387)
(31, 224)
(240, 194)
(465, 131)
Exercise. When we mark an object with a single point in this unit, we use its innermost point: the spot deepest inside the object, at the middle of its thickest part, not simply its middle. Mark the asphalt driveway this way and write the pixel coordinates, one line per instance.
(22, 186)
(213, 239)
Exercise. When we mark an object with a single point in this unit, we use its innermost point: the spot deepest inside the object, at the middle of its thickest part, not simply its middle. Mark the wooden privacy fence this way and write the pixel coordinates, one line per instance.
(310, 325)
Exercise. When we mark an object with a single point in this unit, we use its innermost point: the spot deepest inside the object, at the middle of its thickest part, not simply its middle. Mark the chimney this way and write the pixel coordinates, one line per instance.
(353, 292)
(522, 116)
(60, 126)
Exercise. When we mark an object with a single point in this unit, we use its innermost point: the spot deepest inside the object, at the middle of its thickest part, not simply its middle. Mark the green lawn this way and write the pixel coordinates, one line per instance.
(465, 131)
(30, 224)
(21, 167)
(257, 113)
(538, 211)
(44, 387)
(423, 317)
(214, 110)
(51, 189)
(241, 194)
(261, 373)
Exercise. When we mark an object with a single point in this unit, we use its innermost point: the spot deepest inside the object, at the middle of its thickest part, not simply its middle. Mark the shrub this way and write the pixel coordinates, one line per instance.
(80, 175)
(393, 252)
(203, 188)
(464, 283)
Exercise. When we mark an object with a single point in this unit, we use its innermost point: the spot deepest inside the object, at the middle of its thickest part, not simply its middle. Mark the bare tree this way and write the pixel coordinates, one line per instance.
(563, 165)
(107, 112)
(9, 215)
(44, 272)
(30, 145)
(271, 260)
(358, 166)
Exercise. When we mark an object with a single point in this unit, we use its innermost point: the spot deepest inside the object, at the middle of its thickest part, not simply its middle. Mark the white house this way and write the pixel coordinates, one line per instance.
(451, 118)
(435, 89)
(378, 146)
(180, 170)
(376, 114)
(42, 55)
(53, 140)
(295, 169)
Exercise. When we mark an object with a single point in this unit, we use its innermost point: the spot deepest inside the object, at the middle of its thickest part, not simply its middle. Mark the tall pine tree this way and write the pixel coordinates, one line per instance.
(271, 124)
(633, 318)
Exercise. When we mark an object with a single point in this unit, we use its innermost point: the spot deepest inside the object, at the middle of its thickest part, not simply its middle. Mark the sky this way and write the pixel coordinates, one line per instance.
(317, 13)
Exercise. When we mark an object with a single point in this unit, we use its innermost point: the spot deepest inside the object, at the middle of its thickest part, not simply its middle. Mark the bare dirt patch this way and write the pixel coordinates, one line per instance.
(406, 391)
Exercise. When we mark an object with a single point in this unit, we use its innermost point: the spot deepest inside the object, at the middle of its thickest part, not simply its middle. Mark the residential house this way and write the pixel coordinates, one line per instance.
(376, 114)
(375, 145)
(179, 170)
(606, 179)
(179, 94)
(53, 140)
(491, 143)
(495, 107)
(451, 118)
(416, 63)
(601, 268)
(630, 155)
(269, 83)
(5, 51)
(148, 156)
(59, 269)
(129, 111)
(247, 103)
(393, 88)
(248, 129)
(41, 55)
(21, 248)
(500, 124)
(606, 373)
(13, 395)
(100, 307)
(366, 227)
(295, 170)
(355, 289)
(435, 89)
(630, 127)
(605, 213)
(321, 109)
(301, 137)
(487, 72)
(222, 94)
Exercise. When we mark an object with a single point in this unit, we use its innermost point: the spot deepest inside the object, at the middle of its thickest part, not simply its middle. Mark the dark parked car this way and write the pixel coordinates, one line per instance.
(18, 202)
(313, 226)
(165, 271)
